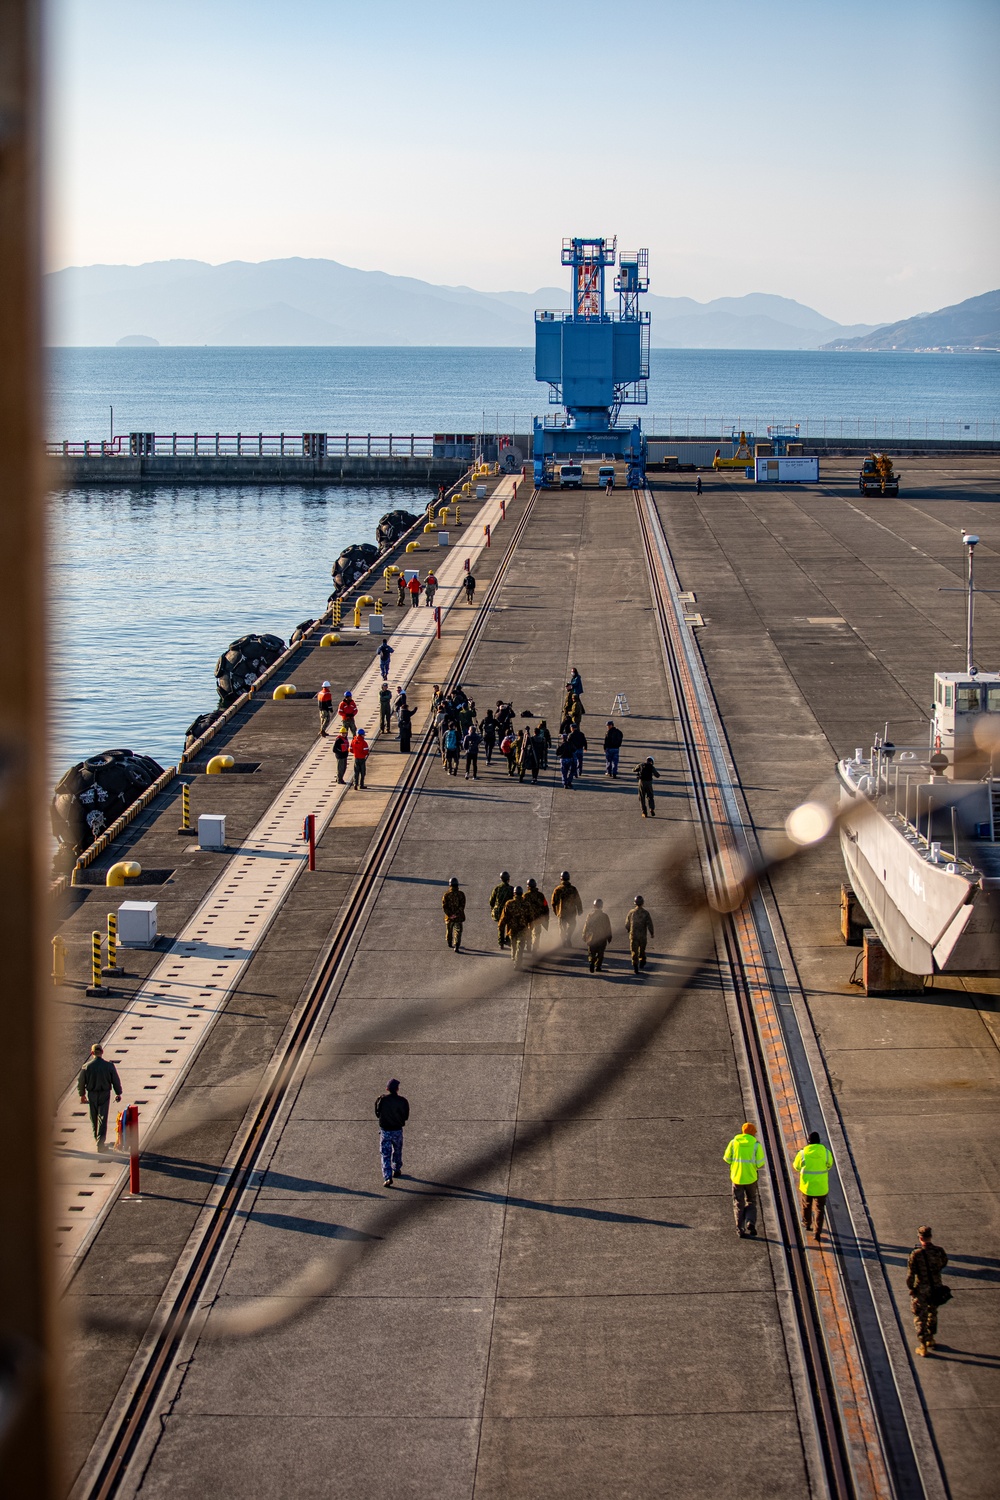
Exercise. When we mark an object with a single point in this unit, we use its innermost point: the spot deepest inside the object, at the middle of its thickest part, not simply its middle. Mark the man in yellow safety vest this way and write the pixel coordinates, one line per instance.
(813, 1165)
(744, 1157)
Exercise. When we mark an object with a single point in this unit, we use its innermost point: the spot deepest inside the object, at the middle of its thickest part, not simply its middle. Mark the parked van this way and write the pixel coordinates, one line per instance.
(605, 472)
(570, 477)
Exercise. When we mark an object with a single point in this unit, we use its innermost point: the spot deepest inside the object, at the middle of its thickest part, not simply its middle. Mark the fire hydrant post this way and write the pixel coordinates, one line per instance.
(309, 833)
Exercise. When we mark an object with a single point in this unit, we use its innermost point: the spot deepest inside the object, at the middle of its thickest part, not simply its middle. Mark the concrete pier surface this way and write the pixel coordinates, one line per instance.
(545, 1308)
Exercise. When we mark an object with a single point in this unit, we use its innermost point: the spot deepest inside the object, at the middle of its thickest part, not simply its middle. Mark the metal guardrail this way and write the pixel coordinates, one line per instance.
(719, 429)
(248, 445)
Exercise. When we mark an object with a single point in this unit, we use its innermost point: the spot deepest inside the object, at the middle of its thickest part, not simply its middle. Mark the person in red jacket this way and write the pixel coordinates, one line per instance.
(360, 749)
(414, 587)
(348, 711)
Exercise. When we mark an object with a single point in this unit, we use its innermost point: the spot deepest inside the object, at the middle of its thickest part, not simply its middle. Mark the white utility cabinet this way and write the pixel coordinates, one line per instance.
(212, 831)
(137, 924)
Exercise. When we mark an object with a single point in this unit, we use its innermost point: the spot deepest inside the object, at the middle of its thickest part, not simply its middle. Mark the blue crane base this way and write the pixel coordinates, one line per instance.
(558, 442)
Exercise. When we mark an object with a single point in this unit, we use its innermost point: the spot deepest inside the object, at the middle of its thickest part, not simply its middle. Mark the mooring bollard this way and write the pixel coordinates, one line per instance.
(486, 534)
(357, 615)
(95, 987)
(112, 966)
(186, 811)
(437, 620)
(58, 959)
(309, 833)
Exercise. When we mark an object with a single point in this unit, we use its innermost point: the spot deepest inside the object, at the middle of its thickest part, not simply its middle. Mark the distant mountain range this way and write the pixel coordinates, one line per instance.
(317, 302)
(972, 324)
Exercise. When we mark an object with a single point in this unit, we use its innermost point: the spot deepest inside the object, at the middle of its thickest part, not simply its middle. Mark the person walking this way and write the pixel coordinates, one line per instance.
(430, 588)
(324, 702)
(400, 590)
(527, 757)
(414, 587)
(399, 701)
(577, 741)
(469, 583)
(539, 913)
(453, 906)
(639, 925)
(566, 756)
(348, 711)
(508, 749)
(384, 656)
(609, 487)
(744, 1156)
(94, 1084)
(698, 485)
(543, 739)
(360, 749)
(926, 1289)
(515, 923)
(645, 773)
(341, 750)
(489, 732)
(384, 709)
(597, 935)
(499, 896)
(470, 744)
(567, 906)
(405, 721)
(575, 683)
(613, 738)
(392, 1112)
(813, 1165)
(451, 749)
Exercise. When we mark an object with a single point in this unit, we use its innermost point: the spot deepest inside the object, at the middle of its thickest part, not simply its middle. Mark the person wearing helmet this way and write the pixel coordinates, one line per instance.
(515, 923)
(324, 702)
(539, 913)
(348, 711)
(645, 773)
(499, 896)
(640, 927)
(360, 749)
(567, 906)
(597, 935)
(453, 906)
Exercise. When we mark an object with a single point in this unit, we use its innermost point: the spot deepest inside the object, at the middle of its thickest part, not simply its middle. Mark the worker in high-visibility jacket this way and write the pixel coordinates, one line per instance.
(744, 1156)
(813, 1165)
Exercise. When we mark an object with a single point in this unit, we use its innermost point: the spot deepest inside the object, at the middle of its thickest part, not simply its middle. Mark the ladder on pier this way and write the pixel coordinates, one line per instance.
(620, 705)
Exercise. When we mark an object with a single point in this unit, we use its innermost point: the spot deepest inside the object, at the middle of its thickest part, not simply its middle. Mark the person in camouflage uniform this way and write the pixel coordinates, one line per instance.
(499, 896)
(567, 906)
(923, 1281)
(640, 927)
(539, 913)
(515, 923)
(453, 906)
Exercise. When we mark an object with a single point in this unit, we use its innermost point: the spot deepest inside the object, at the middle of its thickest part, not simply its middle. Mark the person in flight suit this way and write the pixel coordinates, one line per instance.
(640, 927)
(97, 1079)
(499, 896)
(539, 913)
(597, 935)
(645, 774)
(515, 923)
(453, 906)
(567, 906)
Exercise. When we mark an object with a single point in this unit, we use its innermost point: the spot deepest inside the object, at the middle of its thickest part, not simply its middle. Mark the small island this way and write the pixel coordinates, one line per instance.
(137, 341)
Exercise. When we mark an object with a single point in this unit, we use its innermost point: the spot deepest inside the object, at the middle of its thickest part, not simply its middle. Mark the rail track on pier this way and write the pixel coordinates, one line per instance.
(861, 1402)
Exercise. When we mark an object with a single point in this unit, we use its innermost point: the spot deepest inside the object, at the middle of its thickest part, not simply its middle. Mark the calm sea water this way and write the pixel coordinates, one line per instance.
(149, 586)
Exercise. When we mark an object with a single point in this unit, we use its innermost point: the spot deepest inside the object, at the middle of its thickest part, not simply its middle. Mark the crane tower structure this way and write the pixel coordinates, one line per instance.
(594, 361)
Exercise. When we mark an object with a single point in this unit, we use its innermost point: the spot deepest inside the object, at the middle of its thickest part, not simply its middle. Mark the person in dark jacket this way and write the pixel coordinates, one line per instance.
(612, 746)
(645, 773)
(639, 925)
(341, 750)
(923, 1282)
(543, 739)
(384, 709)
(405, 721)
(470, 587)
(453, 906)
(566, 756)
(384, 653)
(94, 1084)
(470, 744)
(596, 935)
(392, 1112)
(577, 741)
(489, 728)
(575, 683)
(527, 756)
(505, 716)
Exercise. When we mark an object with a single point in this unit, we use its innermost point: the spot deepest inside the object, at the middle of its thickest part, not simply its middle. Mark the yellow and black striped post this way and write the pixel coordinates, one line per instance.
(112, 965)
(458, 515)
(95, 987)
(336, 611)
(58, 959)
(378, 606)
(185, 810)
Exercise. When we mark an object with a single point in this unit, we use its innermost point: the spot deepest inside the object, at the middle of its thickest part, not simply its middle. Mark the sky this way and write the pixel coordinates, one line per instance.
(845, 154)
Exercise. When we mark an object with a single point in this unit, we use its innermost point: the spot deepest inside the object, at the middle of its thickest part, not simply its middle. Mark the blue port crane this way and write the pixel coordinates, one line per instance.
(594, 362)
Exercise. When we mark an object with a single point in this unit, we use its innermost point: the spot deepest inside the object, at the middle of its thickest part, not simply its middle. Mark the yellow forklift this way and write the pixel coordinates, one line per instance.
(877, 477)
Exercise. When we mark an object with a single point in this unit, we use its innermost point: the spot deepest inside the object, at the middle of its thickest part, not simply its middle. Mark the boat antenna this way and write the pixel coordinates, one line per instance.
(970, 541)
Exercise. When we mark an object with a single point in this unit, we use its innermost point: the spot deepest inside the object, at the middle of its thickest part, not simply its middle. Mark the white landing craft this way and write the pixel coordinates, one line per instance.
(919, 828)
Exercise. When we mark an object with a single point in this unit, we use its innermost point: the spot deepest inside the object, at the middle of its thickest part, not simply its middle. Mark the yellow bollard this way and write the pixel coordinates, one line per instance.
(357, 615)
(415, 546)
(378, 606)
(185, 810)
(458, 515)
(387, 574)
(336, 612)
(284, 690)
(466, 488)
(330, 639)
(95, 986)
(427, 530)
(112, 966)
(366, 600)
(125, 869)
(58, 960)
(443, 513)
(218, 764)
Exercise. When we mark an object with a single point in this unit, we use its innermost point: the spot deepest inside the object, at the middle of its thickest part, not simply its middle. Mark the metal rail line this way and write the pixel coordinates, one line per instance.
(141, 1407)
(861, 1422)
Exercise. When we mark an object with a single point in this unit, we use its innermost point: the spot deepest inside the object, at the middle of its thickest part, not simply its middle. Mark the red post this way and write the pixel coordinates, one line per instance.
(468, 564)
(486, 532)
(309, 832)
(437, 620)
(132, 1144)
(503, 505)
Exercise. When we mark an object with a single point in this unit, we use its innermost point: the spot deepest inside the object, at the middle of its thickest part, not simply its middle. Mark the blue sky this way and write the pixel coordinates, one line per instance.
(845, 154)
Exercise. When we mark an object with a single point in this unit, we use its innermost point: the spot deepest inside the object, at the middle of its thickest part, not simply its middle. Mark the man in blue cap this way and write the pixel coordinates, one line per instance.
(392, 1112)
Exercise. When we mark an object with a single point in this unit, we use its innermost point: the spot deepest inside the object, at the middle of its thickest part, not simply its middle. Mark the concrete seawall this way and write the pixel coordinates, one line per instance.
(267, 469)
